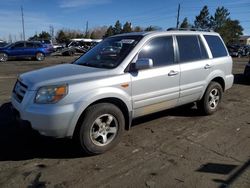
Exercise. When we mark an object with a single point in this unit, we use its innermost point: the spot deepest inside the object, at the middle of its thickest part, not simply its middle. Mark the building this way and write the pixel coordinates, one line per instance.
(245, 40)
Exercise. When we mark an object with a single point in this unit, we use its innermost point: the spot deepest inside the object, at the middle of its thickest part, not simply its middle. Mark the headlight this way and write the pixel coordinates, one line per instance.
(51, 94)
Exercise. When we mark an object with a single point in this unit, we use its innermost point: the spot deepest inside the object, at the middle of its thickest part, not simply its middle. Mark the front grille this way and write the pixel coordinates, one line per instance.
(19, 91)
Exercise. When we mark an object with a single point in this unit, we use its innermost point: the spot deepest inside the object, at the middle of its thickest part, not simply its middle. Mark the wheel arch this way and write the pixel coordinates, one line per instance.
(40, 51)
(219, 80)
(112, 100)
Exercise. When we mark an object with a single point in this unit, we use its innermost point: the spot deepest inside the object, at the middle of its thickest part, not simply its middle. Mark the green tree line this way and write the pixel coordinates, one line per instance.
(229, 29)
(220, 22)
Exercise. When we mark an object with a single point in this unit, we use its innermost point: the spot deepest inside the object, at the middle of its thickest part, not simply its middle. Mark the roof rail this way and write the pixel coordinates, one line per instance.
(188, 29)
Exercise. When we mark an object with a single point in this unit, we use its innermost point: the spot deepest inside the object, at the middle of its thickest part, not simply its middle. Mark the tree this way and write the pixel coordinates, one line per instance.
(127, 28)
(138, 29)
(92, 35)
(231, 31)
(42, 36)
(117, 28)
(61, 37)
(184, 23)
(98, 32)
(220, 17)
(35, 37)
(151, 28)
(202, 21)
(87, 35)
(109, 32)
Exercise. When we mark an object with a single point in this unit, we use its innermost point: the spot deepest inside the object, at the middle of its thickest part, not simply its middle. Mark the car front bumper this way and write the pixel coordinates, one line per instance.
(48, 120)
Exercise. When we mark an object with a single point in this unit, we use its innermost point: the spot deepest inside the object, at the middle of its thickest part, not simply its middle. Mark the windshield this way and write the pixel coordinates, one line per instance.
(4, 44)
(109, 53)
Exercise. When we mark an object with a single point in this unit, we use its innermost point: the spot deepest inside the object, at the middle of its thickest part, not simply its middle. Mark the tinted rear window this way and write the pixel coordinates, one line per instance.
(216, 46)
(191, 48)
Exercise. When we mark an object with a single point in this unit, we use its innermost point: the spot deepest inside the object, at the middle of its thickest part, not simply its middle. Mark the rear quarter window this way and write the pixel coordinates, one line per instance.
(216, 46)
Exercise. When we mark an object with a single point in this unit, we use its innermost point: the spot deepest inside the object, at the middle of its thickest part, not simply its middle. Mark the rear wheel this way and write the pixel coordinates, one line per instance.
(40, 56)
(101, 128)
(211, 99)
(3, 57)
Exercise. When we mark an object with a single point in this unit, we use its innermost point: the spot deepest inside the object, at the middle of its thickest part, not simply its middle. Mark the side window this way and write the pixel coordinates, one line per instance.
(191, 48)
(160, 50)
(29, 45)
(216, 46)
(19, 45)
(37, 45)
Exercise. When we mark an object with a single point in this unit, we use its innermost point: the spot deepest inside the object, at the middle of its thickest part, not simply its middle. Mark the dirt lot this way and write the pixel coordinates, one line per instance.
(174, 148)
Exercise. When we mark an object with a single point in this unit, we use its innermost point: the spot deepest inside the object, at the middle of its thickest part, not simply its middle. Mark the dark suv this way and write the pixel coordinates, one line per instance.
(24, 49)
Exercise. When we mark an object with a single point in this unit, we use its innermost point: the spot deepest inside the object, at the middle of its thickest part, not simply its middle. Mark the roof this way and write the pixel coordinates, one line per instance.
(244, 37)
(171, 32)
(87, 40)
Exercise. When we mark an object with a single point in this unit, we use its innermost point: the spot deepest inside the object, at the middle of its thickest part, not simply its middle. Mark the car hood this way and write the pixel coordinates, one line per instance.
(3, 48)
(61, 74)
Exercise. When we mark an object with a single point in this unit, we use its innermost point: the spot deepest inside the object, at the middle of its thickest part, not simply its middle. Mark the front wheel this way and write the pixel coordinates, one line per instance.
(3, 57)
(211, 99)
(101, 128)
(40, 56)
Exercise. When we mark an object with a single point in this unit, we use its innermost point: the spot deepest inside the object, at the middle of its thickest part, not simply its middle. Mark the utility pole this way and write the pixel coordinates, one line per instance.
(87, 28)
(23, 23)
(178, 16)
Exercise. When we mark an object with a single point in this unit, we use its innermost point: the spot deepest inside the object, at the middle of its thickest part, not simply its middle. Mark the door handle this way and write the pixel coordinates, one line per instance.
(207, 66)
(173, 73)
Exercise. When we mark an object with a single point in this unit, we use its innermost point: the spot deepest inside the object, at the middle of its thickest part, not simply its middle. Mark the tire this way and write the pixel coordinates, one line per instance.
(211, 99)
(40, 56)
(101, 128)
(3, 57)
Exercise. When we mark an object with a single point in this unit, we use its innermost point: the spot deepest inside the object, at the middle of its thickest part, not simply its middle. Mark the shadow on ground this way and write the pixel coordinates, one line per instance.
(188, 110)
(234, 172)
(19, 144)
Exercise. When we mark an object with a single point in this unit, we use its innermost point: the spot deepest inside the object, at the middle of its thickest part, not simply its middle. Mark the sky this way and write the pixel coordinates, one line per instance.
(39, 15)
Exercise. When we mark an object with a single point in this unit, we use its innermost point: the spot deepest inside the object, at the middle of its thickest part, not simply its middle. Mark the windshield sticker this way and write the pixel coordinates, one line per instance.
(127, 41)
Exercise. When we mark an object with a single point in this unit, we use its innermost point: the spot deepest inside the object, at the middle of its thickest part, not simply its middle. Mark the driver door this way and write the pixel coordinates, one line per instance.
(156, 88)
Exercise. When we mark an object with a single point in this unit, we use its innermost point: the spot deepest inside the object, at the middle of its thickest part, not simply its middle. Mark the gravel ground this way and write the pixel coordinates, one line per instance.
(173, 148)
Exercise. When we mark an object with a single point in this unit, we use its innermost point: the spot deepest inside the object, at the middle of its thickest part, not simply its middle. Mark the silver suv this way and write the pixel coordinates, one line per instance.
(125, 76)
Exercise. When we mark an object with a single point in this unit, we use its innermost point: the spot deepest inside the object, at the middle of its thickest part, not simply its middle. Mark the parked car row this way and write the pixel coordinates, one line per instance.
(24, 49)
(238, 51)
(81, 45)
(2, 43)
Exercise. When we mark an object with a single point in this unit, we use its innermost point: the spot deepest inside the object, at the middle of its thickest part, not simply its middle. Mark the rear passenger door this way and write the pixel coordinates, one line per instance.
(195, 67)
(156, 88)
(30, 49)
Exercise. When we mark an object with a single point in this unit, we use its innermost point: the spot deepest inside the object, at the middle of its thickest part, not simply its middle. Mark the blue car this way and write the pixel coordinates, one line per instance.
(24, 49)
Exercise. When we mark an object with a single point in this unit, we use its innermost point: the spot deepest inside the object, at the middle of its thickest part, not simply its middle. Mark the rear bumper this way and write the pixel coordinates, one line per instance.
(229, 80)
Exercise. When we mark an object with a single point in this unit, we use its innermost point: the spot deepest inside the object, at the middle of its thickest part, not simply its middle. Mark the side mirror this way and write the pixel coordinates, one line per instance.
(143, 63)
